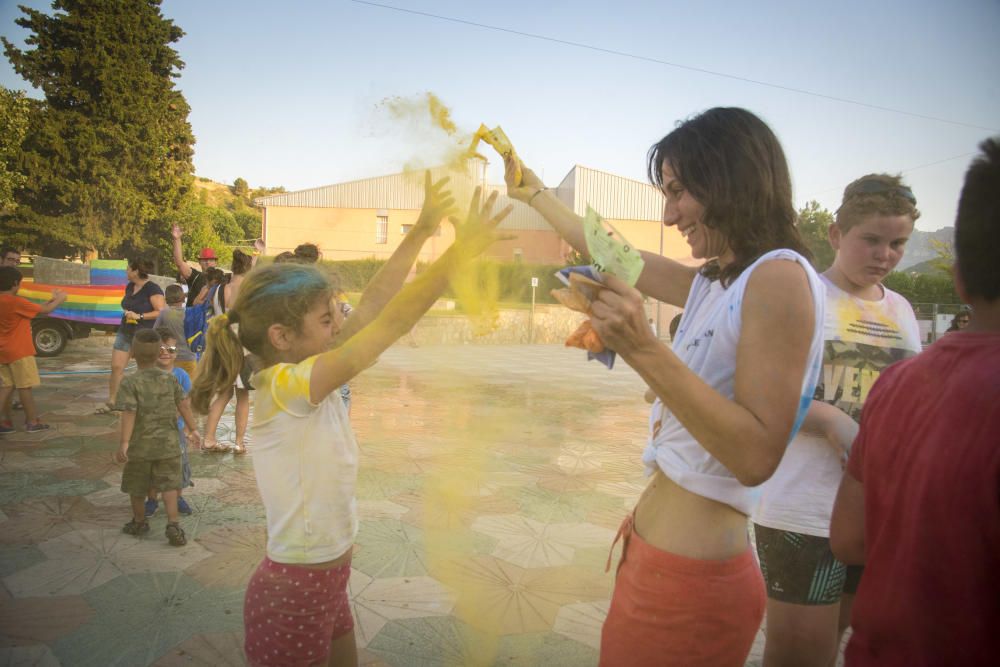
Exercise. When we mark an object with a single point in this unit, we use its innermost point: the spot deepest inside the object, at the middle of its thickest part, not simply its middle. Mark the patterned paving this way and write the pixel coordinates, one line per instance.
(493, 479)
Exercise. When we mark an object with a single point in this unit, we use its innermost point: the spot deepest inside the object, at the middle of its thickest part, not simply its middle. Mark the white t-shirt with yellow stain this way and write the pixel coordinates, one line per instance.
(861, 339)
(306, 462)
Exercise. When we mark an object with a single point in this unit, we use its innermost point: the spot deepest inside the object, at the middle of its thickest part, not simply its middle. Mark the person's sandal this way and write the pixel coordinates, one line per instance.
(105, 409)
(134, 528)
(212, 446)
(175, 535)
(239, 449)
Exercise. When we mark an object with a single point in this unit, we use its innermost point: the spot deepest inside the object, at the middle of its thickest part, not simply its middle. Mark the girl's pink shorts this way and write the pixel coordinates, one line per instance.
(291, 613)
(673, 610)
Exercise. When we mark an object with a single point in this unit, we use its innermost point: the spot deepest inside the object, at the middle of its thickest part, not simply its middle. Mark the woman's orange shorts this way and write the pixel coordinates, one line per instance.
(673, 610)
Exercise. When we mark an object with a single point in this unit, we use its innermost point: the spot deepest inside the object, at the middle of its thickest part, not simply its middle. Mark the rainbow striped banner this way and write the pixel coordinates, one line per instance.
(93, 304)
(108, 272)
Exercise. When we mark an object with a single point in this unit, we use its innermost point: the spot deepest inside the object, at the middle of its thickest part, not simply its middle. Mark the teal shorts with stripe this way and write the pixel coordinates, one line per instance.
(801, 569)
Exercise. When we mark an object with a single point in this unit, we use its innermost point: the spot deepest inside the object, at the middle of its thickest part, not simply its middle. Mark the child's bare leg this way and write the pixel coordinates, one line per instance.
(28, 401)
(343, 651)
(170, 502)
(152, 494)
(6, 394)
(138, 508)
(242, 414)
(119, 359)
(215, 411)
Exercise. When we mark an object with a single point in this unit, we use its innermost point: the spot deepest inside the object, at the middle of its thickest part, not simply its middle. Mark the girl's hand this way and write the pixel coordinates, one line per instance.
(438, 204)
(478, 231)
(121, 456)
(176, 232)
(619, 317)
(530, 183)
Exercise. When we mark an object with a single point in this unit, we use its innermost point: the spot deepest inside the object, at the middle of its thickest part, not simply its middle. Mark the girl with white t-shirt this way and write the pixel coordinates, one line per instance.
(730, 392)
(296, 609)
(867, 327)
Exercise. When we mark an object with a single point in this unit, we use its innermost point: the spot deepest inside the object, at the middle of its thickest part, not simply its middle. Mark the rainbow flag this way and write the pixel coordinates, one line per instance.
(93, 304)
(108, 272)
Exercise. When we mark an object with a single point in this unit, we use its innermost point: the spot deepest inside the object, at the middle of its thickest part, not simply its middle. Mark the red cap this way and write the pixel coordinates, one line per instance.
(207, 253)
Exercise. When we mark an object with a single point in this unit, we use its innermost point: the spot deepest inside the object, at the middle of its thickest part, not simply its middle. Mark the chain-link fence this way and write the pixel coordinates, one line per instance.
(935, 318)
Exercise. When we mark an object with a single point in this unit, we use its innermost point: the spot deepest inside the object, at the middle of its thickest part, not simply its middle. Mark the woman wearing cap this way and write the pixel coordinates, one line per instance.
(194, 278)
(141, 304)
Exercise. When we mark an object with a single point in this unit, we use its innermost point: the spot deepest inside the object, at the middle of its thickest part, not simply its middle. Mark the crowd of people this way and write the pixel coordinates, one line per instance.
(806, 459)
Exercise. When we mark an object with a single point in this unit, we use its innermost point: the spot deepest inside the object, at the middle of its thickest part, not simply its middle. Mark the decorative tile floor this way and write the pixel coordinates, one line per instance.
(493, 479)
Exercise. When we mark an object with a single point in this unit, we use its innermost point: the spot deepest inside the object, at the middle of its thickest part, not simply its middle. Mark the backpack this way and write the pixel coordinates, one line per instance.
(196, 323)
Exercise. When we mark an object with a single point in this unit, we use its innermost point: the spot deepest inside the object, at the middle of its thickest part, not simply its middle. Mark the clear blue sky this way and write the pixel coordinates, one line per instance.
(286, 93)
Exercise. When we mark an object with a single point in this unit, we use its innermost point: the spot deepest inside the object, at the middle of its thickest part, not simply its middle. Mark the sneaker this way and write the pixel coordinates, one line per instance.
(133, 528)
(151, 506)
(175, 535)
(6, 426)
(35, 427)
(182, 506)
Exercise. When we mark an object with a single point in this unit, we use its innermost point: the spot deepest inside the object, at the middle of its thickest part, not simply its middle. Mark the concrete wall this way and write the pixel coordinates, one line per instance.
(61, 272)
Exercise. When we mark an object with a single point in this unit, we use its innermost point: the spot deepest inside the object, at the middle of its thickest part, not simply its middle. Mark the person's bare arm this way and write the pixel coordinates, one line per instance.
(438, 202)
(339, 365)
(190, 423)
(749, 433)
(847, 525)
(58, 297)
(832, 424)
(127, 426)
(182, 266)
(662, 278)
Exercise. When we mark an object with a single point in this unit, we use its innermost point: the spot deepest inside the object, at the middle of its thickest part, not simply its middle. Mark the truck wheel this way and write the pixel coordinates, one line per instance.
(50, 338)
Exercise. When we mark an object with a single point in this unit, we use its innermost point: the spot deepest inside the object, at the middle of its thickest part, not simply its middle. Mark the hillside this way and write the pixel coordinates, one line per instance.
(919, 248)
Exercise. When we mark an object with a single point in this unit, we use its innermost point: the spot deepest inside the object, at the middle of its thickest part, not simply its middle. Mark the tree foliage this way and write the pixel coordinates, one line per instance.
(923, 287)
(107, 158)
(14, 110)
(814, 225)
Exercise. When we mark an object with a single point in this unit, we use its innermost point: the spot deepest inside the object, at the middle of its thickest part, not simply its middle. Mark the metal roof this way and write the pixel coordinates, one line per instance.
(613, 196)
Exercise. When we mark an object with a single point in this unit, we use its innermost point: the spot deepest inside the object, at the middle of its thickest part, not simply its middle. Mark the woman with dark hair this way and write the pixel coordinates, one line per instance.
(224, 295)
(730, 392)
(960, 321)
(141, 304)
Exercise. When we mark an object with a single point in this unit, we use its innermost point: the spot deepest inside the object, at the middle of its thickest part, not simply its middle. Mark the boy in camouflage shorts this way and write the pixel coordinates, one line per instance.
(149, 400)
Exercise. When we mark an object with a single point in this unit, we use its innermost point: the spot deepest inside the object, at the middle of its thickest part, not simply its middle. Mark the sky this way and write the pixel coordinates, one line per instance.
(289, 93)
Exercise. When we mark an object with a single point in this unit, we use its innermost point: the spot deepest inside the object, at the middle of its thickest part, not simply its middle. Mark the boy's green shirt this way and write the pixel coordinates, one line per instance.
(154, 396)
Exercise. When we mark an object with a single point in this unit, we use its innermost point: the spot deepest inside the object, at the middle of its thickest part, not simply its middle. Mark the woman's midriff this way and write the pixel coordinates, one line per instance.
(673, 519)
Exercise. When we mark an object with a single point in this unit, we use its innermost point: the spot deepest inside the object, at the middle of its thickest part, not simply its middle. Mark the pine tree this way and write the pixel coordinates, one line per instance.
(107, 157)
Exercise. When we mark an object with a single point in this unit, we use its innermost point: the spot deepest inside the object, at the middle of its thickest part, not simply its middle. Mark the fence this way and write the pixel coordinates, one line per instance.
(935, 318)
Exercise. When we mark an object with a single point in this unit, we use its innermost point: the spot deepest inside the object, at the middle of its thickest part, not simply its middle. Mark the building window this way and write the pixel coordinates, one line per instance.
(405, 229)
(382, 229)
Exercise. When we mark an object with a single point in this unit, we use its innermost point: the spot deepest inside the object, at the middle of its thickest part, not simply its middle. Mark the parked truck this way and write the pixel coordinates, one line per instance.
(93, 302)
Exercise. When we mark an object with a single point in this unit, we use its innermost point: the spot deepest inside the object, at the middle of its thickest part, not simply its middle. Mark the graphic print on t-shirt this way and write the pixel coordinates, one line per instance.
(868, 337)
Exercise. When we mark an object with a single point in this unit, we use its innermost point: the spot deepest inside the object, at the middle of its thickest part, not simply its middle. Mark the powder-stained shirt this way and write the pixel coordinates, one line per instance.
(306, 462)
(154, 396)
(861, 339)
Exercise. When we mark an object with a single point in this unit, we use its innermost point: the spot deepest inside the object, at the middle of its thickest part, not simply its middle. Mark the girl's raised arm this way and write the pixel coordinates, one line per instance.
(438, 204)
(339, 365)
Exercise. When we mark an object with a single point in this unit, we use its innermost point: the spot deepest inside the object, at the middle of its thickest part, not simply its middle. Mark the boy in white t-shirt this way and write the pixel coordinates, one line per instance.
(867, 328)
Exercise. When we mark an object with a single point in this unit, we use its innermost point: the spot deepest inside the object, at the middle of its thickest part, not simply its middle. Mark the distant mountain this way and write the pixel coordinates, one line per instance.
(920, 250)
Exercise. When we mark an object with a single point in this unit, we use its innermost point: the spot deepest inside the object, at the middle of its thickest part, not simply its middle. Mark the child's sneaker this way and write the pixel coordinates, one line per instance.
(35, 427)
(183, 507)
(151, 506)
(175, 535)
(133, 528)
(6, 426)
